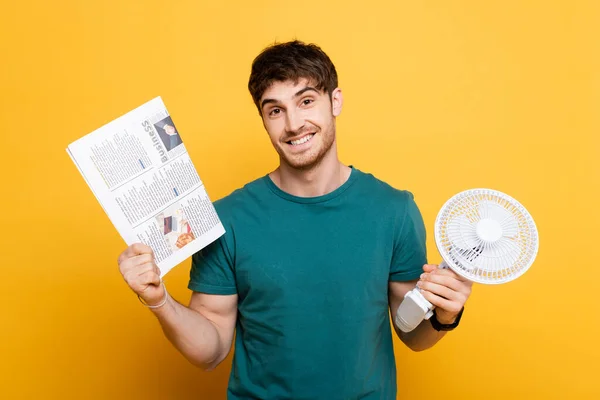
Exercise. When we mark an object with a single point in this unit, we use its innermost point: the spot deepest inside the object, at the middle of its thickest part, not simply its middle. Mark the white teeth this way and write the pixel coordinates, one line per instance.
(303, 140)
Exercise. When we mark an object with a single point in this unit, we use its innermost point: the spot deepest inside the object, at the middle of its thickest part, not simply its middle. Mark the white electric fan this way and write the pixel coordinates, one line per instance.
(483, 235)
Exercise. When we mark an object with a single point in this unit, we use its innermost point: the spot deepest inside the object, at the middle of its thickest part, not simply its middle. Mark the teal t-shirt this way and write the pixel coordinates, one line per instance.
(312, 279)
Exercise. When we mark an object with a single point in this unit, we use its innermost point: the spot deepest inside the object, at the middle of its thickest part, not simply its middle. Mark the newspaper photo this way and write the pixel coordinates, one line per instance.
(138, 168)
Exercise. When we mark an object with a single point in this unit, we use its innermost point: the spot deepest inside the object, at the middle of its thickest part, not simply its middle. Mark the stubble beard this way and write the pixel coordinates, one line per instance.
(310, 161)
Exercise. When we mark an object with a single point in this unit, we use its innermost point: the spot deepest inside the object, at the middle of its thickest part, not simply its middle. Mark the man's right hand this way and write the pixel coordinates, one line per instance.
(141, 273)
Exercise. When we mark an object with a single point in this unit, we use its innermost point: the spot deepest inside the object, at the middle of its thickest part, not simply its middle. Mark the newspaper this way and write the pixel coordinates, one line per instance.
(139, 170)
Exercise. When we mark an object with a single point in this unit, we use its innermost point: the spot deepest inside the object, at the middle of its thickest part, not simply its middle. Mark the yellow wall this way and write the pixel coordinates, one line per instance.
(440, 96)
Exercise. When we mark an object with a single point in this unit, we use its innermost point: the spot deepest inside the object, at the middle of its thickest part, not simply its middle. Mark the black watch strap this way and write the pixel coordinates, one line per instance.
(445, 327)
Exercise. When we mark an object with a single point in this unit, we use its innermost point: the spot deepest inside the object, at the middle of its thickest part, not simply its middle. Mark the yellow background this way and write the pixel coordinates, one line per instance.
(440, 96)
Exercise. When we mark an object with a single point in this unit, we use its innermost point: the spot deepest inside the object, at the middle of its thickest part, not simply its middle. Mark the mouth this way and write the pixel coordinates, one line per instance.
(302, 140)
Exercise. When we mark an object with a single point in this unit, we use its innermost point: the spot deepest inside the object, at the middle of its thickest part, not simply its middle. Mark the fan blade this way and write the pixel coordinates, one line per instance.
(502, 254)
(510, 227)
(492, 210)
(471, 254)
(461, 233)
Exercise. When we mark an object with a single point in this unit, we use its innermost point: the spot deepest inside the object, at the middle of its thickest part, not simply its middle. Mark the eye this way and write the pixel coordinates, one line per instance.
(275, 111)
(307, 101)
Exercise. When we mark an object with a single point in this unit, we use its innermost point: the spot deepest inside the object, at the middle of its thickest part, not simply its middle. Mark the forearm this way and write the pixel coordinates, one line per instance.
(443, 288)
(196, 337)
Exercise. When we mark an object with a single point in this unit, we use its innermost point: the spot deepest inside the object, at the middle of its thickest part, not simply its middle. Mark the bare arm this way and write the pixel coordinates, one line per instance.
(444, 289)
(202, 332)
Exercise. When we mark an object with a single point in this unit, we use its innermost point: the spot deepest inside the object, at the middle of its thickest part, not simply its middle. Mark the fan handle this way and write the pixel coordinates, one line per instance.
(414, 308)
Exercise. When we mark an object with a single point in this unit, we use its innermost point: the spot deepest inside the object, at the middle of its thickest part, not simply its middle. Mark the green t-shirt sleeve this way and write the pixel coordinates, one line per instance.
(410, 252)
(212, 269)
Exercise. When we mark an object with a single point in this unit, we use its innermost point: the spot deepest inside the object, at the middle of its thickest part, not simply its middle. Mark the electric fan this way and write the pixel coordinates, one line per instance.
(483, 235)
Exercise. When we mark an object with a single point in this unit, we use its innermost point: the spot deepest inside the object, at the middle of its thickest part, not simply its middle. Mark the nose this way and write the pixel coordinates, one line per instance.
(293, 121)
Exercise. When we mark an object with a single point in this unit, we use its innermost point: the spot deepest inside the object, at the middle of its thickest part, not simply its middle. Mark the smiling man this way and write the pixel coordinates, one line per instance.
(316, 256)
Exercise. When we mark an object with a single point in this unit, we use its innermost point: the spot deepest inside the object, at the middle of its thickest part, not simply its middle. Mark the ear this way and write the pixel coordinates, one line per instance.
(336, 102)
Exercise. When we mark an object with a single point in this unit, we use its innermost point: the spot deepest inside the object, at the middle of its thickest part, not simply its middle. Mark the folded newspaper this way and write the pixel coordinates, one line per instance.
(139, 170)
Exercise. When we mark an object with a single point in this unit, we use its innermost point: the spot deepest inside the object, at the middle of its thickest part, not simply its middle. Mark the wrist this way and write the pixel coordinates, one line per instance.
(155, 304)
(445, 319)
(440, 324)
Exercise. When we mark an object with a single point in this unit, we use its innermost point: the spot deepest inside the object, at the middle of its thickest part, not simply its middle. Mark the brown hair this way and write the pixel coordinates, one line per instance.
(293, 61)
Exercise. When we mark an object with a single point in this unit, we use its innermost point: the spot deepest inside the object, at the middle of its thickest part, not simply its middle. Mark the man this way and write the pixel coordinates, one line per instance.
(169, 137)
(315, 257)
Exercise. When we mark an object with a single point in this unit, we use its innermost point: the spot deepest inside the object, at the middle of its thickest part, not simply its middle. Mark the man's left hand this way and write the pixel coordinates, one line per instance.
(446, 290)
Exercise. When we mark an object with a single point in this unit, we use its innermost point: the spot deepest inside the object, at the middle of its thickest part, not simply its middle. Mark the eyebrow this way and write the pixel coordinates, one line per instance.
(298, 93)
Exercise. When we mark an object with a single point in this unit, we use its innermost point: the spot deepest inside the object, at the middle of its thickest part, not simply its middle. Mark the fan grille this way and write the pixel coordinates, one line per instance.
(472, 255)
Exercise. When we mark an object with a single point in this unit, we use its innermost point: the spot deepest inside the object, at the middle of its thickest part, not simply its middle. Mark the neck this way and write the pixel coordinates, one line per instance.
(325, 177)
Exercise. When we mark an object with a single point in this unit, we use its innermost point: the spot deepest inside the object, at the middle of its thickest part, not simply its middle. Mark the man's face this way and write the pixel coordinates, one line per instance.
(300, 121)
(170, 130)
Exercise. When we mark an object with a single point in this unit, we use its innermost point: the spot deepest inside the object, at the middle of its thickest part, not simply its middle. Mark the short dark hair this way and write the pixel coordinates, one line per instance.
(293, 61)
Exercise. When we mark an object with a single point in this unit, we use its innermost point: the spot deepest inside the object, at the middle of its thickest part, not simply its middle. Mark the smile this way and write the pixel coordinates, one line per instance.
(302, 140)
